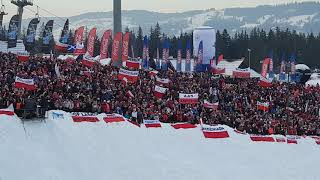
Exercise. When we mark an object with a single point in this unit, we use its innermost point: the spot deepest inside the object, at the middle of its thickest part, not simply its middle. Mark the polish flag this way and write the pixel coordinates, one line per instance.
(209, 105)
(263, 106)
(23, 56)
(214, 132)
(265, 83)
(79, 119)
(113, 118)
(217, 70)
(132, 64)
(188, 98)
(259, 138)
(88, 60)
(131, 76)
(159, 92)
(7, 111)
(152, 123)
(280, 140)
(162, 81)
(130, 94)
(292, 139)
(183, 126)
(153, 73)
(220, 58)
(27, 84)
(60, 47)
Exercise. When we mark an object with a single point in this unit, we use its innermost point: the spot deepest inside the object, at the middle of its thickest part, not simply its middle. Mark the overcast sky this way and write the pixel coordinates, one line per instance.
(75, 7)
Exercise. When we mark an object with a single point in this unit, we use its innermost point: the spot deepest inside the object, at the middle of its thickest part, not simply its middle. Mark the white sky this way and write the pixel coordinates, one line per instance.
(75, 7)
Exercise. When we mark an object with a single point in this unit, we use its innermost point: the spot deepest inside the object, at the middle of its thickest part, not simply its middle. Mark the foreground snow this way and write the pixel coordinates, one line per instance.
(63, 150)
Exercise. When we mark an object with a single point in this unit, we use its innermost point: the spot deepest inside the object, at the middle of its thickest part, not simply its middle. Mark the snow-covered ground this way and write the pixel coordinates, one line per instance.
(60, 149)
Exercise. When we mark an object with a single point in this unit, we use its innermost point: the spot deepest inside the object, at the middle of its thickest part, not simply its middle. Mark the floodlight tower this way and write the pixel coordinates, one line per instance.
(2, 13)
(117, 25)
(21, 4)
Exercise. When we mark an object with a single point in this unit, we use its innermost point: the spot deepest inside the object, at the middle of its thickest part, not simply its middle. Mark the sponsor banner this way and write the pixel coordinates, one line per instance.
(263, 106)
(179, 56)
(188, 57)
(125, 46)
(113, 118)
(91, 41)
(133, 64)
(133, 122)
(116, 47)
(84, 117)
(239, 132)
(280, 139)
(105, 44)
(241, 73)
(27, 84)
(209, 105)
(183, 126)
(265, 65)
(159, 92)
(152, 123)
(23, 56)
(56, 115)
(188, 98)
(131, 76)
(47, 36)
(7, 111)
(78, 39)
(64, 38)
(293, 139)
(215, 132)
(13, 31)
(259, 138)
(265, 83)
(31, 33)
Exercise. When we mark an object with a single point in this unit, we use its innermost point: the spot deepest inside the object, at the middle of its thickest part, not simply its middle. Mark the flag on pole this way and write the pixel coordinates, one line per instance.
(179, 56)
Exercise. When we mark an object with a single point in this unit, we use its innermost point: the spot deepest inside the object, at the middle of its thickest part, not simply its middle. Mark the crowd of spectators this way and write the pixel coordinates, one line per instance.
(294, 108)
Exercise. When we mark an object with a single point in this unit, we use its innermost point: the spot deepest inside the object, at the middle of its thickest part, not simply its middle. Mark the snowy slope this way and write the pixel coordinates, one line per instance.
(60, 150)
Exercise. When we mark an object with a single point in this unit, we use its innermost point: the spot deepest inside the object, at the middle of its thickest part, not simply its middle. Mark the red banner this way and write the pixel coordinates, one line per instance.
(241, 73)
(133, 64)
(265, 83)
(259, 138)
(60, 47)
(183, 126)
(91, 41)
(85, 119)
(78, 39)
(217, 70)
(116, 47)
(265, 65)
(8, 111)
(125, 47)
(105, 44)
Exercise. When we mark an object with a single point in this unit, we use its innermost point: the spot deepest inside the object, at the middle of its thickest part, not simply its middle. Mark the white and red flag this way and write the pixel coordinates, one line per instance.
(61, 47)
(153, 73)
(7, 111)
(23, 56)
(265, 83)
(188, 98)
(113, 118)
(163, 81)
(88, 60)
(131, 76)
(152, 123)
(218, 70)
(263, 106)
(130, 94)
(27, 84)
(183, 125)
(260, 138)
(241, 73)
(159, 92)
(209, 105)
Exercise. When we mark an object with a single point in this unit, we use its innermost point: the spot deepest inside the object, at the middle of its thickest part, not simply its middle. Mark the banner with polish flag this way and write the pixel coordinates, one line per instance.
(292, 139)
(131, 76)
(214, 132)
(159, 92)
(263, 106)
(7, 111)
(152, 123)
(113, 118)
(241, 73)
(61, 47)
(23, 56)
(163, 81)
(153, 73)
(260, 138)
(88, 60)
(188, 98)
(27, 84)
(209, 105)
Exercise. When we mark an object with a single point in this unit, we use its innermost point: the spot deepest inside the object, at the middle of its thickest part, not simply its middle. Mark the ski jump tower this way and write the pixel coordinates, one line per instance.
(117, 24)
(21, 4)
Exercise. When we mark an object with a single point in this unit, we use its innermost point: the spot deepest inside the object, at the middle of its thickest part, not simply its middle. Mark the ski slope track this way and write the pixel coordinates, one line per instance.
(60, 149)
